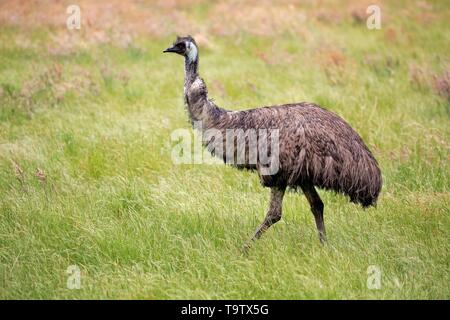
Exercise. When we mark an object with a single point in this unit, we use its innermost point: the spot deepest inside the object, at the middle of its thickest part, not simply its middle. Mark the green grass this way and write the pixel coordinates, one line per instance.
(138, 226)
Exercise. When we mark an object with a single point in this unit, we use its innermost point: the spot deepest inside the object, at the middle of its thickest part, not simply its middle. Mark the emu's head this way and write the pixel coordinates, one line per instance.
(186, 47)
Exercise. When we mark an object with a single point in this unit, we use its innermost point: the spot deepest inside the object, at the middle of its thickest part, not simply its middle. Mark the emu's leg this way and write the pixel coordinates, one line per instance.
(274, 213)
(317, 209)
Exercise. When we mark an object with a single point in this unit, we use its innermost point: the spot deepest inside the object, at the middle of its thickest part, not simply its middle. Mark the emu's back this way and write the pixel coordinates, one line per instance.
(315, 146)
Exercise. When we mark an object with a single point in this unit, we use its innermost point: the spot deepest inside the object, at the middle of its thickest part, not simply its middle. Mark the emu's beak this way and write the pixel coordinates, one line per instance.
(171, 49)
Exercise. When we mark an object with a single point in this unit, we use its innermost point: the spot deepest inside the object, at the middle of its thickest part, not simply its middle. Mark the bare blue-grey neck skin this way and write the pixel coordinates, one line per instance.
(190, 63)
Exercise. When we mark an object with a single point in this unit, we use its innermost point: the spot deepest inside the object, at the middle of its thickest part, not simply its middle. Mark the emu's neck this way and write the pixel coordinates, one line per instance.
(200, 108)
(191, 71)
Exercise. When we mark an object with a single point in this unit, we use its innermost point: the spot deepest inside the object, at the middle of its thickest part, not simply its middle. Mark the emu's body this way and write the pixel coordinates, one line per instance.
(316, 147)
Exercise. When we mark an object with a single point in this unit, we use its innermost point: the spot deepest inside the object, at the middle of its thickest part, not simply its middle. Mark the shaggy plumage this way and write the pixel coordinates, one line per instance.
(316, 146)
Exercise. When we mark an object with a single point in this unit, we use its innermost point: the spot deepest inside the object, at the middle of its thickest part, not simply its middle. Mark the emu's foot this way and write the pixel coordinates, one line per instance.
(323, 239)
(246, 247)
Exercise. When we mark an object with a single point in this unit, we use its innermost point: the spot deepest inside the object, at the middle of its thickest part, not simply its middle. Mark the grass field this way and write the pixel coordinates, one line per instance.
(87, 179)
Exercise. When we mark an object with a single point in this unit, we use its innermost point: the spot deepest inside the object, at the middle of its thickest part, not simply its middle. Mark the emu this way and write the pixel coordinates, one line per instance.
(317, 148)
